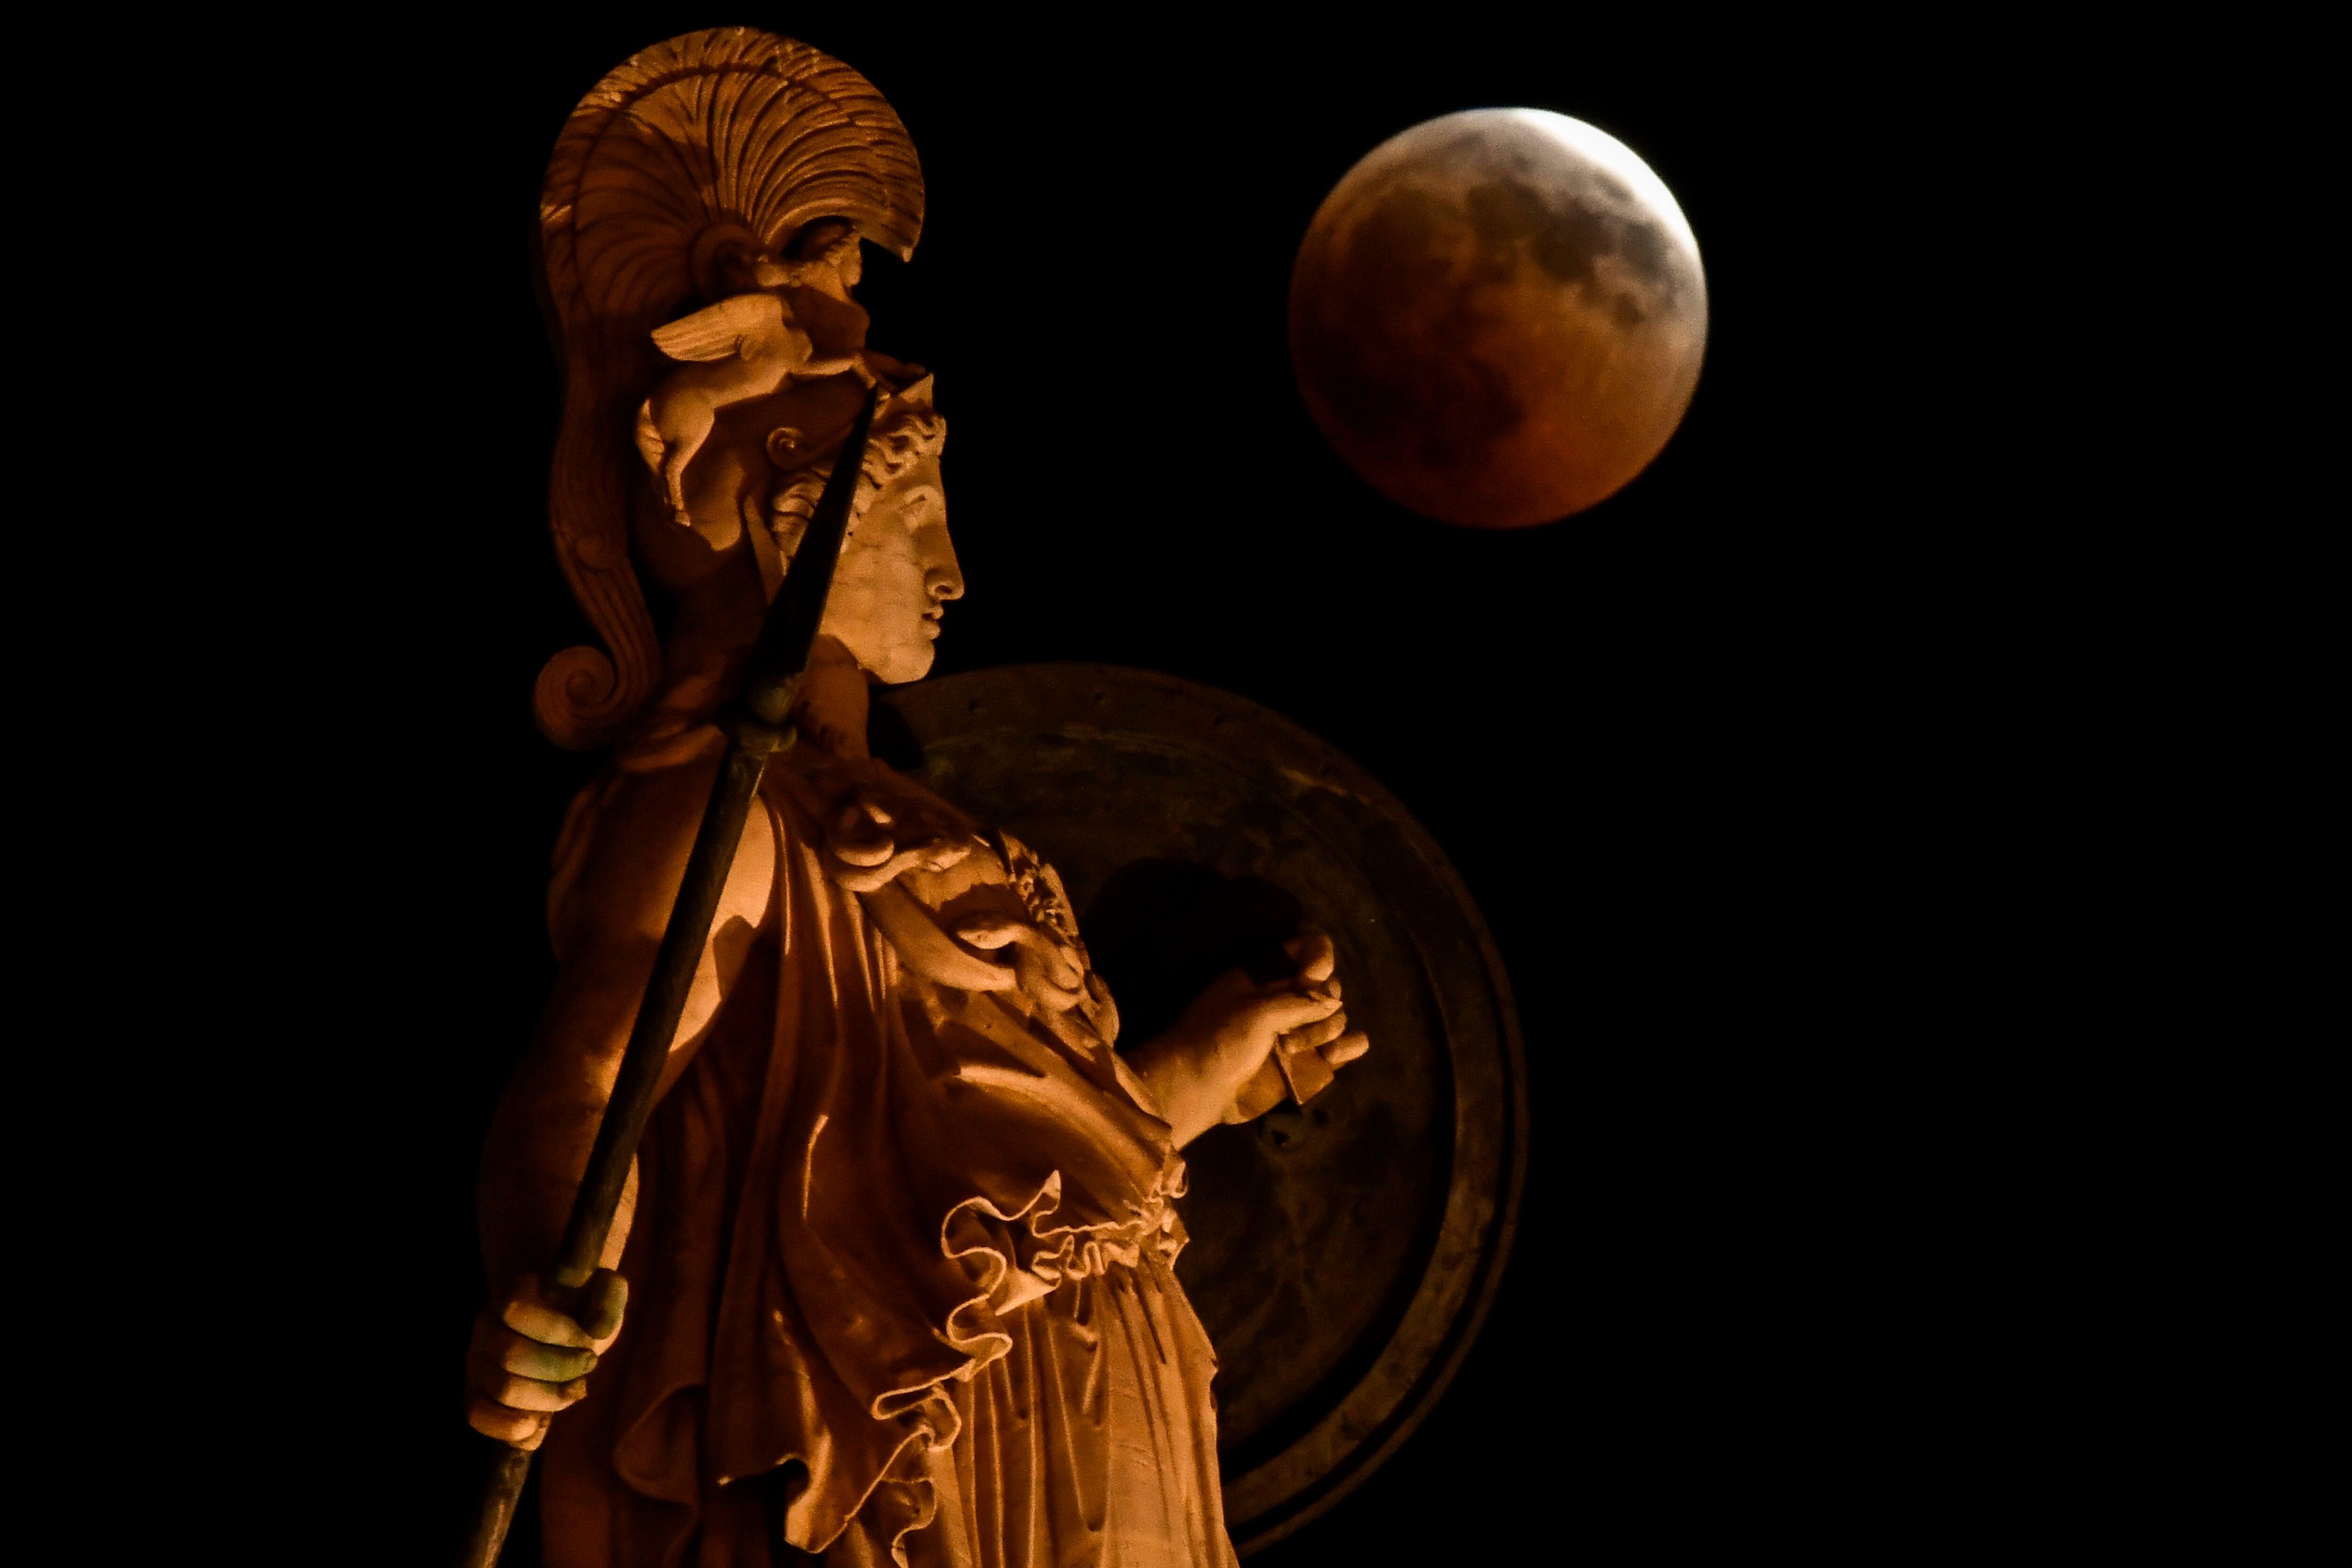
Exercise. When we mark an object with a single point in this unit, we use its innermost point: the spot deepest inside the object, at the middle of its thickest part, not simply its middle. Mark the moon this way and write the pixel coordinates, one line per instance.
(1497, 317)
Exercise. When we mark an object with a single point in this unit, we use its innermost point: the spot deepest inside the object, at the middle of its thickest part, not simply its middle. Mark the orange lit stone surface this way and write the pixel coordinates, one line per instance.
(898, 1246)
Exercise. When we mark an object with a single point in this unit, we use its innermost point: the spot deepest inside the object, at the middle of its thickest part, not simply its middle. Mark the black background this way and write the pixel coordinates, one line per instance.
(1695, 752)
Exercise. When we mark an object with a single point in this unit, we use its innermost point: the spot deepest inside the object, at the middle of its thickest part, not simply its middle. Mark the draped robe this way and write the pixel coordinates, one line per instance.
(901, 1283)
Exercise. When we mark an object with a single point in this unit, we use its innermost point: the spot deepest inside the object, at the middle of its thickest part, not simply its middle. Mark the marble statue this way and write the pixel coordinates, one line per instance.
(891, 1280)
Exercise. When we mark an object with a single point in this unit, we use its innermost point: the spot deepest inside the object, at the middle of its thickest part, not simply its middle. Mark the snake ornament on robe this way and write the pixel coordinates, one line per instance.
(901, 1284)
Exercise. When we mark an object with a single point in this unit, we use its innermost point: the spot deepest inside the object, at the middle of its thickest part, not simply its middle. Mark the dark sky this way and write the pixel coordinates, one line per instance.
(1671, 744)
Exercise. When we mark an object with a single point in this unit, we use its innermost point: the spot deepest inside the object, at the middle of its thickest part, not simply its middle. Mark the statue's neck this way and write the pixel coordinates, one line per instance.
(718, 622)
(832, 703)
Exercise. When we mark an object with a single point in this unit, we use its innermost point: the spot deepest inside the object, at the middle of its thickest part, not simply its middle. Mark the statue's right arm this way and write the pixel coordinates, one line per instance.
(528, 1359)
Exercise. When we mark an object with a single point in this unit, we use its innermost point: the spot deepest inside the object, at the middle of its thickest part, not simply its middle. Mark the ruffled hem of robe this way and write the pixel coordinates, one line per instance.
(892, 1168)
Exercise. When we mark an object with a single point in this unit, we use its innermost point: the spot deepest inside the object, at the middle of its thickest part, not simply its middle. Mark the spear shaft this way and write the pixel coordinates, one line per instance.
(755, 730)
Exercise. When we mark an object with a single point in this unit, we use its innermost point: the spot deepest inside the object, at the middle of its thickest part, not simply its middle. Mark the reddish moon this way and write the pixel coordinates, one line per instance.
(1497, 317)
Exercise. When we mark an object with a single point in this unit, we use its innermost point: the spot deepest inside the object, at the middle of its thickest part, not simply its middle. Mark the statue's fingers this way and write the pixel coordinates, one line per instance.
(547, 1363)
(526, 1429)
(1322, 1032)
(1346, 1048)
(1325, 990)
(531, 1394)
(1312, 950)
(533, 1318)
(1294, 1011)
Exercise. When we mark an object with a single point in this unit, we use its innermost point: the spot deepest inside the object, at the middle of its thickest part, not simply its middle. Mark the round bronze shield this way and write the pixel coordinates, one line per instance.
(1342, 1254)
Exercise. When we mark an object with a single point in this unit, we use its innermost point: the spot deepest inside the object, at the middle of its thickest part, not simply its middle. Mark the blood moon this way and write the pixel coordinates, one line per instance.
(1497, 317)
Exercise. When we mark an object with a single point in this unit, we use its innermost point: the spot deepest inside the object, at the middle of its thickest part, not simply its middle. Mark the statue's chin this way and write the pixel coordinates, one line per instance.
(899, 665)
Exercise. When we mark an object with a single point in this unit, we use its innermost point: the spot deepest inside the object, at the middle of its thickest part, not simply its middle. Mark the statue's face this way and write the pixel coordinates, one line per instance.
(897, 571)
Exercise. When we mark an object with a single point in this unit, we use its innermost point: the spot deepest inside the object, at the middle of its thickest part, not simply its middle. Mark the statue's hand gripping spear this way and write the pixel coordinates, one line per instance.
(755, 730)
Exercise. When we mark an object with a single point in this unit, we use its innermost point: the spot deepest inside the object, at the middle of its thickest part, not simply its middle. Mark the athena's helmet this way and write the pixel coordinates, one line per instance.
(724, 140)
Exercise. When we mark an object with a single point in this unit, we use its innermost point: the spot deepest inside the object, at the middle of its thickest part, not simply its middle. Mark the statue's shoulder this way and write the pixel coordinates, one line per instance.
(871, 824)
(967, 907)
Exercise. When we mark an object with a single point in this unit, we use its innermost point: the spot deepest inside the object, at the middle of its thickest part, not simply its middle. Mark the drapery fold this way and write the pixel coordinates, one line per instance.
(912, 1239)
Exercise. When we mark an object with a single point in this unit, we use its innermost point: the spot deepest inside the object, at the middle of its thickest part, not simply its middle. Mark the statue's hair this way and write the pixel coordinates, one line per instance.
(904, 434)
(728, 129)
